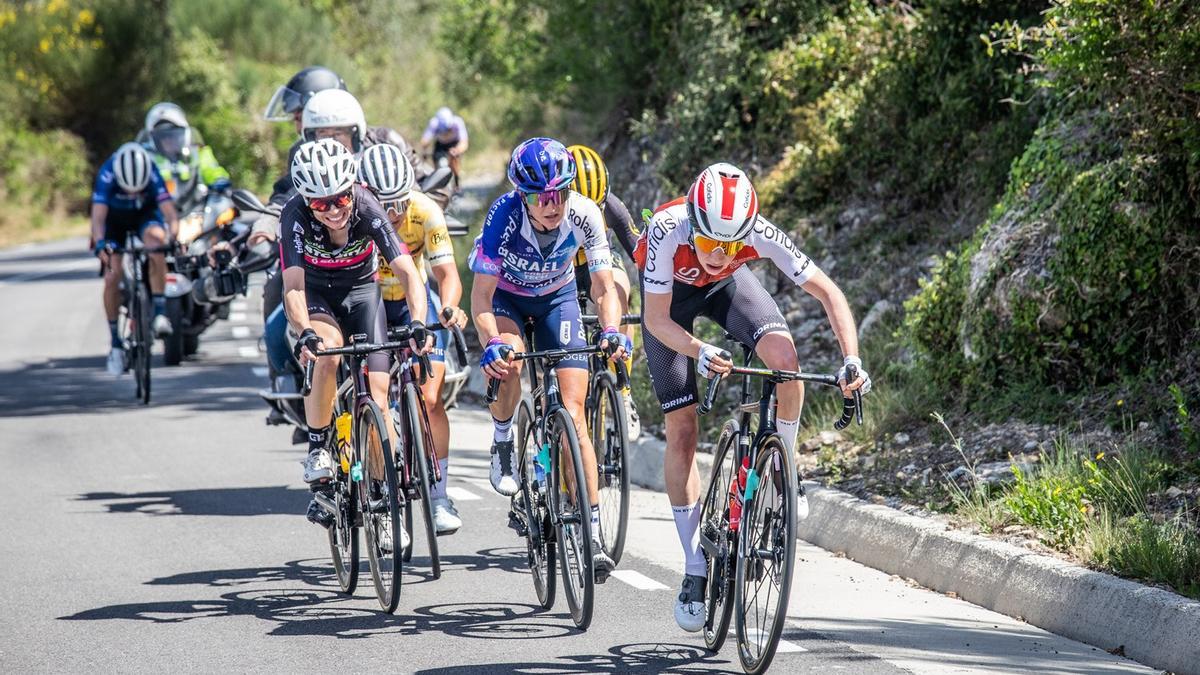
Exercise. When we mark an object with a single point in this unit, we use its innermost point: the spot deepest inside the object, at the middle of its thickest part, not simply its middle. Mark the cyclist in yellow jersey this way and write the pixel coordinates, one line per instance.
(591, 180)
(421, 225)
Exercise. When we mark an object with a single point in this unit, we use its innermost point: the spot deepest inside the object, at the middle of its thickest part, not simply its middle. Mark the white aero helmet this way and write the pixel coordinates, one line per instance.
(388, 173)
(333, 108)
(131, 166)
(722, 204)
(323, 168)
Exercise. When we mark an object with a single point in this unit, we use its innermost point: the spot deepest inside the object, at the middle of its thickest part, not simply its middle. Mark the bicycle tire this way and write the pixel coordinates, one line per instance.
(343, 534)
(715, 532)
(422, 444)
(539, 546)
(770, 523)
(381, 516)
(144, 341)
(610, 439)
(573, 532)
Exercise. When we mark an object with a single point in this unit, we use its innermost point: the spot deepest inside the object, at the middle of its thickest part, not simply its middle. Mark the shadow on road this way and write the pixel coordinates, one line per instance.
(81, 386)
(242, 501)
(646, 657)
(56, 276)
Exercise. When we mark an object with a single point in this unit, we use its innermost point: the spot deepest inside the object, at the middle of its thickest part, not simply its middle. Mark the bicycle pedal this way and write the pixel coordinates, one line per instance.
(517, 524)
(318, 515)
(323, 485)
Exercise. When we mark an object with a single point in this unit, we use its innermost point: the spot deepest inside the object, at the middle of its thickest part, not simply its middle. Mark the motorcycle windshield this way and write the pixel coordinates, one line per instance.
(283, 104)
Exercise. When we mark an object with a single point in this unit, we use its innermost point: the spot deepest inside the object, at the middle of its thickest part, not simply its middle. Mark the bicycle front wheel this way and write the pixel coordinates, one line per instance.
(768, 540)
(571, 510)
(382, 504)
(530, 505)
(142, 341)
(610, 439)
(421, 446)
(718, 541)
(343, 534)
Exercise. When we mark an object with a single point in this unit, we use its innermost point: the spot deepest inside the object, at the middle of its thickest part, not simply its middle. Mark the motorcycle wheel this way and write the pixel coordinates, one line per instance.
(173, 345)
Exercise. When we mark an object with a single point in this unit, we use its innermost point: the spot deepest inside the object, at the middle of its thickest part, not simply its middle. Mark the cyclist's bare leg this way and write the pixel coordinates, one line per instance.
(510, 387)
(679, 461)
(318, 405)
(439, 422)
(112, 285)
(153, 237)
(572, 383)
(778, 352)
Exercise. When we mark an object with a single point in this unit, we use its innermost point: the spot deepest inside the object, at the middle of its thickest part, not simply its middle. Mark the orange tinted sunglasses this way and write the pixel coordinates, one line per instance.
(323, 204)
(709, 246)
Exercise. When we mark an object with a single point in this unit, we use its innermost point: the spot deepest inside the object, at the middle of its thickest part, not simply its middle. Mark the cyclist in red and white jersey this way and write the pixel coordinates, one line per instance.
(693, 259)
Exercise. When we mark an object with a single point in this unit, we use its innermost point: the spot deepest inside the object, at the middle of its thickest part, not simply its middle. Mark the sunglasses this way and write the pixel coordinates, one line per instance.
(709, 246)
(323, 204)
(397, 207)
(547, 197)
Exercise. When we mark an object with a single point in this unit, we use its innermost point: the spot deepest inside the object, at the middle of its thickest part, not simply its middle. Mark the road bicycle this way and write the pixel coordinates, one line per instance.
(748, 518)
(136, 311)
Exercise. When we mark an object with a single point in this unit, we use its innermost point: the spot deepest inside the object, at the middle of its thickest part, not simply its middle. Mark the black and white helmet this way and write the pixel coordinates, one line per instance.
(131, 165)
(388, 173)
(323, 168)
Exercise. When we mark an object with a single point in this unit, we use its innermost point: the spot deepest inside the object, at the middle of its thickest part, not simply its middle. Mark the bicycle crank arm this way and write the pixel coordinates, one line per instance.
(325, 502)
(570, 519)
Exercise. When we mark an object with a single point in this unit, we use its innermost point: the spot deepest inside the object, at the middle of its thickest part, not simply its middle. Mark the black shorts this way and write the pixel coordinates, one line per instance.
(357, 310)
(738, 303)
(119, 223)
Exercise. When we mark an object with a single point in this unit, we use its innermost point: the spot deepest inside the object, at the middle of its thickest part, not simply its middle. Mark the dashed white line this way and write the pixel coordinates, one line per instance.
(461, 494)
(784, 647)
(260, 371)
(248, 352)
(639, 581)
(238, 306)
(240, 332)
(237, 316)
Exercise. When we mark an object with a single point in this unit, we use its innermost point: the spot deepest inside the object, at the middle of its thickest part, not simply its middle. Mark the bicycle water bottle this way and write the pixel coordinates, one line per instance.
(736, 492)
(343, 424)
(539, 465)
(356, 472)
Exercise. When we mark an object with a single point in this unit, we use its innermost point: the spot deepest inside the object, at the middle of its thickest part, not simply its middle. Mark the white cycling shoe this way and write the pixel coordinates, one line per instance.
(445, 516)
(161, 326)
(385, 542)
(689, 604)
(502, 468)
(115, 365)
(318, 466)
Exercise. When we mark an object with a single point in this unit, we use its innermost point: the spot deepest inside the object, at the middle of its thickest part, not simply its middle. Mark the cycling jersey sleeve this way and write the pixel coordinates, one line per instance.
(585, 216)
(105, 180)
(485, 258)
(430, 130)
(438, 248)
(618, 219)
(291, 230)
(460, 127)
(382, 232)
(772, 242)
(662, 238)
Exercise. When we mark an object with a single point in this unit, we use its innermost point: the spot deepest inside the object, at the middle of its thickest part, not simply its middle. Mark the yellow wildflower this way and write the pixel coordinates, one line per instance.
(44, 45)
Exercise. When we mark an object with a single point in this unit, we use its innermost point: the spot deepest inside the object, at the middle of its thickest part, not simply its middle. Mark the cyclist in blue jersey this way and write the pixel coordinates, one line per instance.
(523, 262)
(130, 196)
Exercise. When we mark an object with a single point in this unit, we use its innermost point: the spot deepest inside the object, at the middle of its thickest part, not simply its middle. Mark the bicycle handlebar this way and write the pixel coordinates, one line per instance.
(399, 340)
(851, 407)
(554, 355)
(626, 319)
(460, 342)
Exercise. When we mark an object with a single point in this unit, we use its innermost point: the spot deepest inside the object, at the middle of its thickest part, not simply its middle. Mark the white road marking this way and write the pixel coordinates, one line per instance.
(260, 371)
(784, 647)
(248, 352)
(237, 316)
(238, 305)
(461, 494)
(240, 332)
(638, 580)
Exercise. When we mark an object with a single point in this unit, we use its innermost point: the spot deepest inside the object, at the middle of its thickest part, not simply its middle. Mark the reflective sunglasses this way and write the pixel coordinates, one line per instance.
(396, 206)
(323, 204)
(709, 246)
(546, 197)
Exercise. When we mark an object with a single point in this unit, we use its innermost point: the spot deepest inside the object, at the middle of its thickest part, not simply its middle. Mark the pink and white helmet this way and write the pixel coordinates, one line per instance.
(722, 204)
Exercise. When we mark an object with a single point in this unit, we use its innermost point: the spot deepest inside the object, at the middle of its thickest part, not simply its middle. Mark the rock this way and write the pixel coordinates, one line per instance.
(960, 472)
(1031, 446)
(877, 311)
(900, 438)
(868, 462)
(1174, 492)
(908, 468)
(925, 475)
(1013, 529)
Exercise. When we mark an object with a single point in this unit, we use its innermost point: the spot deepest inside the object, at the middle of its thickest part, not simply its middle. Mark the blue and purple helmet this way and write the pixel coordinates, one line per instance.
(541, 164)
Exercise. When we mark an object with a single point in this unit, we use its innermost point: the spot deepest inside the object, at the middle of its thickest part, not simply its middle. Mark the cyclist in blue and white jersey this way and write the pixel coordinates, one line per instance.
(130, 195)
(524, 268)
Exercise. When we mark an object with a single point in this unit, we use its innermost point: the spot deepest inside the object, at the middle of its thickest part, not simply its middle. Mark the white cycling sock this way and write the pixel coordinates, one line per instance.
(439, 488)
(788, 430)
(596, 526)
(502, 430)
(687, 524)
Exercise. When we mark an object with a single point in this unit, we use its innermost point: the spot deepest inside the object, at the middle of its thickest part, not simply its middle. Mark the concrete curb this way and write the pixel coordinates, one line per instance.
(1156, 627)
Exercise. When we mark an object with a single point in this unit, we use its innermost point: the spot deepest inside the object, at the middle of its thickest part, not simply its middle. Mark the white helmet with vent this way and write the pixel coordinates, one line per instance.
(323, 168)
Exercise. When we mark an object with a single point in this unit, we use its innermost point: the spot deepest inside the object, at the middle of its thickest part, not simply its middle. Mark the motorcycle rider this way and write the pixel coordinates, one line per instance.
(183, 160)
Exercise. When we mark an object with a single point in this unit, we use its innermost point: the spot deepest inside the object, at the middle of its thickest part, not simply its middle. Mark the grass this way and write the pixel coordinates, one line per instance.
(23, 227)
(1093, 505)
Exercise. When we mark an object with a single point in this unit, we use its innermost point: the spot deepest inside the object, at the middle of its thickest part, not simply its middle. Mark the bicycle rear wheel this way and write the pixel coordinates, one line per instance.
(610, 439)
(768, 538)
(530, 504)
(382, 505)
(718, 542)
(422, 445)
(142, 341)
(343, 535)
(570, 509)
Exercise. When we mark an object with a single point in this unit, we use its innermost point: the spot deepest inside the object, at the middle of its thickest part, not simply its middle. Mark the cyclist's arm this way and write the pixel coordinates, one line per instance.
(607, 300)
(461, 146)
(440, 254)
(414, 286)
(837, 309)
(171, 216)
(211, 170)
(482, 290)
(295, 303)
(99, 215)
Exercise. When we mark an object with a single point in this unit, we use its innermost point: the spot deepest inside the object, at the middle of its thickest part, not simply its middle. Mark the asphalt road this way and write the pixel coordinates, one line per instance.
(170, 537)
